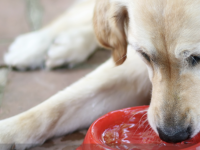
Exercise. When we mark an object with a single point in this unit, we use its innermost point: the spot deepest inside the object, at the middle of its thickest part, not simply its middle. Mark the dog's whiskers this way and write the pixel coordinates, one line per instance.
(146, 125)
(141, 120)
(140, 125)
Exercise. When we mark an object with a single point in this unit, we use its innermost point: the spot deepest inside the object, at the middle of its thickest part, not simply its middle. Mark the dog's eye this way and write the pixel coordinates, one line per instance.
(194, 60)
(146, 56)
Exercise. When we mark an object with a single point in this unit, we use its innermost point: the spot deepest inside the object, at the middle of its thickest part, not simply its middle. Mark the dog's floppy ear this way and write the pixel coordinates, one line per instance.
(110, 22)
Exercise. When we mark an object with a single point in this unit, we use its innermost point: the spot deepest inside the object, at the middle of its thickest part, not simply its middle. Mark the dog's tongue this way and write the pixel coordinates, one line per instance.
(137, 134)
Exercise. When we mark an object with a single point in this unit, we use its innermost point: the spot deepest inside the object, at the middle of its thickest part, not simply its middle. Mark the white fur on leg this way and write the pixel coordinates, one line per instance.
(105, 89)
(72, 47)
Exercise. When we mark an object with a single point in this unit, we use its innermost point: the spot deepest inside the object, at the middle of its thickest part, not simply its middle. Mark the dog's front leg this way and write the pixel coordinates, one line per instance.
(105, 89)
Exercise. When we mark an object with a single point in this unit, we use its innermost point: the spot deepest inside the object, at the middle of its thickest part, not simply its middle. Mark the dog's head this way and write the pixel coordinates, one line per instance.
(166, 33)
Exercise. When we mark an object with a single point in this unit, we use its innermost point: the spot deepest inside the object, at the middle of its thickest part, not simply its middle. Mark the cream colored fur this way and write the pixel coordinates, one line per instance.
(105, 89)
(48, 45)
(164, 35)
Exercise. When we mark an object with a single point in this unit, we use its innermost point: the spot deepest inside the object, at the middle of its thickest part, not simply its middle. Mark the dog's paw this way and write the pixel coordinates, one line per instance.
(28, 51)
(14, 136)
(70, 48)
(8, 137)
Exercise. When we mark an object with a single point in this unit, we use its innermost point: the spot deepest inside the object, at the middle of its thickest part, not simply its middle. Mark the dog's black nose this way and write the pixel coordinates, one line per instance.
(174, 137)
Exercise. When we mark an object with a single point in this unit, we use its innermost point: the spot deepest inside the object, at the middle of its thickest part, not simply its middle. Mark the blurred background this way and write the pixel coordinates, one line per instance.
(20, 91)
(22, 16)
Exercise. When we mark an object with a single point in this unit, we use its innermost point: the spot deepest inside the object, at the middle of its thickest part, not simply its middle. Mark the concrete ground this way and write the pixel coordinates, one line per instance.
(20, 91)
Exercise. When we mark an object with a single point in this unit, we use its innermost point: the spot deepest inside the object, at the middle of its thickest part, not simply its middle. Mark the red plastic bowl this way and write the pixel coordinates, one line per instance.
(129, 129)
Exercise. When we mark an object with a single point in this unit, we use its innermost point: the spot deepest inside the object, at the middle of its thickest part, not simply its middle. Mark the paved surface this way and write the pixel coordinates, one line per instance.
(20, 91)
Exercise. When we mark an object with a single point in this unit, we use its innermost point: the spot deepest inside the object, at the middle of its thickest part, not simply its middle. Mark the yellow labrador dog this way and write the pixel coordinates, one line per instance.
(163, 35)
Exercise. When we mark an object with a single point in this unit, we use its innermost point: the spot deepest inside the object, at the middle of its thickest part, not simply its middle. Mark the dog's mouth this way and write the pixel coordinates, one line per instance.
(172, 127)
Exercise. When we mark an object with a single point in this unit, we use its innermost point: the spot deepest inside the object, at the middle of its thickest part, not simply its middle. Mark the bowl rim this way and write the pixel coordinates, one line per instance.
(91, 138)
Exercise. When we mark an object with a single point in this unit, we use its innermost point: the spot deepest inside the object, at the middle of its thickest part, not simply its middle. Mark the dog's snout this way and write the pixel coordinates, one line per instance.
(173, 136)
